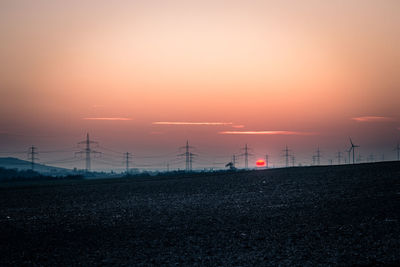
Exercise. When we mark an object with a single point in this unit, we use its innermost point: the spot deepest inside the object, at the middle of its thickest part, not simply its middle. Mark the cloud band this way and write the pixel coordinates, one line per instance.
(108, 119)
(372, 119)
(266, 133)
(191, 123)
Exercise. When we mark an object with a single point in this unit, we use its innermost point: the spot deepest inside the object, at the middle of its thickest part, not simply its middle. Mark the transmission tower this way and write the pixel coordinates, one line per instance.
(32, 156)
(371, 158)
(318, 156)
(293, 160)
(266, 161)
(88, 151)
(246, 155)
(286, 155)
(339, 157)
(359, 158)
(128, 157)
(188, 156)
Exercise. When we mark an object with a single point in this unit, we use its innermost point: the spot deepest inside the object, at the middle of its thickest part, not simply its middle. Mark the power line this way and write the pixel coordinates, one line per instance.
(12, 152)
(156, 156)
(65, 160)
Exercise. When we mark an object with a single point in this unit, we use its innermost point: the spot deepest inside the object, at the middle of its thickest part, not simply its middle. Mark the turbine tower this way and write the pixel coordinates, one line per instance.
(353, 146)
(398, 151)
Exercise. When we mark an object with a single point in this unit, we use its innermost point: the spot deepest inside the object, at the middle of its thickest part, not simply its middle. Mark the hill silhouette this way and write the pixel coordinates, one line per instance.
(19, 164)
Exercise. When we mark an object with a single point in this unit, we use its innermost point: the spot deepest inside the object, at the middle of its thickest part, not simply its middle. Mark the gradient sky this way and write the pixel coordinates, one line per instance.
(145, 76)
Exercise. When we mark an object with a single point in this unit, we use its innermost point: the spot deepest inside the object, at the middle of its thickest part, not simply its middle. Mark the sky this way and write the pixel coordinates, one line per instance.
(145, 76)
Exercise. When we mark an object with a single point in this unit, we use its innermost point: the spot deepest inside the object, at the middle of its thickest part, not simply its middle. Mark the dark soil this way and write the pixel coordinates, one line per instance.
(339, 215)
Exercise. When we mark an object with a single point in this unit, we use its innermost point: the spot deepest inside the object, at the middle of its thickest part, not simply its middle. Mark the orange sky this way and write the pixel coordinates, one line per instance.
(71, 67)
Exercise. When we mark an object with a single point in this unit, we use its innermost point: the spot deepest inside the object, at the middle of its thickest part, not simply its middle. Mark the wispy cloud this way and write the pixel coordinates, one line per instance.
(238, 126)
(372, 119)
(267, 133)
(191, 123)
(108, 119)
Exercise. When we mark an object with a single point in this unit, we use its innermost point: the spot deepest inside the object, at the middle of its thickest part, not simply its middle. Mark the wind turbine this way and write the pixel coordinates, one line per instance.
(352, 148)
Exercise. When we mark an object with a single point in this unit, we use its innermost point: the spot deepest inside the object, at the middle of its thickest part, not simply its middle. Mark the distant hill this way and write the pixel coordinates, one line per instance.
(14, 163)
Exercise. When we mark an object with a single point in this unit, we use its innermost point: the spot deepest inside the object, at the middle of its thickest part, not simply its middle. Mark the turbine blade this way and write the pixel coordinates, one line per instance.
(351, 142)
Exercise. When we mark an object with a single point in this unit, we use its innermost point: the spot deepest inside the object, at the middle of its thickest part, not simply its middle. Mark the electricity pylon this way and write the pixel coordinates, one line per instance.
(246, 155)
(188, 156)
(128, 157)
(32, 156)
(88, 151)
(286, 155)
(339, 157)
(371, 158)
(318, 156)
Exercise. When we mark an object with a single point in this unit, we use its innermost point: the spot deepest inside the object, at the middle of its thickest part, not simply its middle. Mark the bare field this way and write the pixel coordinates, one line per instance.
(339, 215)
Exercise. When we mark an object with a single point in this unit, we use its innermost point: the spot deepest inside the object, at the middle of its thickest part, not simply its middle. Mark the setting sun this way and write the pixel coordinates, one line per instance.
(260, 163)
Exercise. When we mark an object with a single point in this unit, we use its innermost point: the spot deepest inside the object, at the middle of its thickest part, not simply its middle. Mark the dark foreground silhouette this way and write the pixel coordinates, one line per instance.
(339, 215)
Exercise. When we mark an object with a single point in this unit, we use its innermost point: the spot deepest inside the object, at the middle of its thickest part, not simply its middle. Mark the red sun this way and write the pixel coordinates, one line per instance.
(260, 163)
